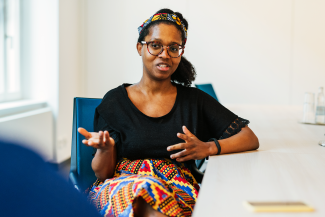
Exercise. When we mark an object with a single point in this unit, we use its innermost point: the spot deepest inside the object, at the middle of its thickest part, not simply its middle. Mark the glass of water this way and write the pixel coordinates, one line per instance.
(309, 108)
(321, 143)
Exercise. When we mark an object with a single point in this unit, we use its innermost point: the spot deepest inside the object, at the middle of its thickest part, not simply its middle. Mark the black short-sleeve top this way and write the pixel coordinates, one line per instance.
(138, 136)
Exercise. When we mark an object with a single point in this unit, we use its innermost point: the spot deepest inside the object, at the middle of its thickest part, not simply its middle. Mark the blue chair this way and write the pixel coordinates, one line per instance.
(208, 88)
(81, 174)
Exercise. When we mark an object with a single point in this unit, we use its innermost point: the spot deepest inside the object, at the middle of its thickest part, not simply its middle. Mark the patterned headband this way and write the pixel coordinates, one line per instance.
(164, 16)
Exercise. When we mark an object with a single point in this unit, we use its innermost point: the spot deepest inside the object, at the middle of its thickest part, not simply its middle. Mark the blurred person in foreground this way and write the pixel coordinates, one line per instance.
(29, 187)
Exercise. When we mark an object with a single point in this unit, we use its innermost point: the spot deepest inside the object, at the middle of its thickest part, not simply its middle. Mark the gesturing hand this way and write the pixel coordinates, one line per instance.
(100, 140)
(193, 147)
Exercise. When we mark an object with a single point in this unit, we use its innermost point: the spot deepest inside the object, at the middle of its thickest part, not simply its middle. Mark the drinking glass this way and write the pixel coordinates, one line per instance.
(309, 108)
(321, 143)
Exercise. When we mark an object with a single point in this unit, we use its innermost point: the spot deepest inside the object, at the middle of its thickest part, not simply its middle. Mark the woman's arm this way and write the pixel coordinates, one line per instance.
(194, 149)
(104, 162)
(245, 140)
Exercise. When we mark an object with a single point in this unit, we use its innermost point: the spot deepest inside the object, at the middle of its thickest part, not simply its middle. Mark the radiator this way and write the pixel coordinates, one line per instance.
(33, 129)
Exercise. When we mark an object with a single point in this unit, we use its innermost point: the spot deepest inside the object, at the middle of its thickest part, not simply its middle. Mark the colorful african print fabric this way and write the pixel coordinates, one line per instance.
(166, 185)
(164, 16)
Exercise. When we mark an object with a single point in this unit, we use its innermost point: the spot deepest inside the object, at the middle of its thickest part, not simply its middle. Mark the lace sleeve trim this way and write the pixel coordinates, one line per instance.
(234, 127)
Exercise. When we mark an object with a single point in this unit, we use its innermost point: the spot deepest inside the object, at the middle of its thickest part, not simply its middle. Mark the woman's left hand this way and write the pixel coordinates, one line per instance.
(193, 147)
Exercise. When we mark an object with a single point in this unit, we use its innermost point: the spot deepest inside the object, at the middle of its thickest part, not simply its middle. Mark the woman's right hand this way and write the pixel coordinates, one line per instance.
(104, 162)
(100, 140)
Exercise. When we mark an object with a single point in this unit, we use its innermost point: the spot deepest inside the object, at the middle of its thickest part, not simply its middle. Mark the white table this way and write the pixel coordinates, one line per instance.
(289, 165)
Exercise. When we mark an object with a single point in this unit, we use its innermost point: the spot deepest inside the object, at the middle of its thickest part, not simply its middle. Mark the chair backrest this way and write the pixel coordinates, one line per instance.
(208, 88)
(81, 173)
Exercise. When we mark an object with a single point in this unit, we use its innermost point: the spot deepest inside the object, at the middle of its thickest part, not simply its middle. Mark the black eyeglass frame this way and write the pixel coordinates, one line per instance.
(162, 48)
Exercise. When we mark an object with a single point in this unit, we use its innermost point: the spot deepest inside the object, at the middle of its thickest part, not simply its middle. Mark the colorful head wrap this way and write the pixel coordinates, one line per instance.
(164, 16)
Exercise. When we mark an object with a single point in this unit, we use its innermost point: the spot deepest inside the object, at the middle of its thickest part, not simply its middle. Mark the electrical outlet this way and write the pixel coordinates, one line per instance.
(62, 142)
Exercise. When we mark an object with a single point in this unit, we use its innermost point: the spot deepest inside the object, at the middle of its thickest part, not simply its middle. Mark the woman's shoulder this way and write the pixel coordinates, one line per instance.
(115, 93)
(193, 92)
(113, 99)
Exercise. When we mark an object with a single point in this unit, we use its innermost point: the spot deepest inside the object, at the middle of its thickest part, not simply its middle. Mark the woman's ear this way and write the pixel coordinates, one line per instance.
(139, 48)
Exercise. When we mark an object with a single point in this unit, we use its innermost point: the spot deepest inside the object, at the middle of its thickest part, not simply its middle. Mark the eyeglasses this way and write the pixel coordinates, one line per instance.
(155, 48)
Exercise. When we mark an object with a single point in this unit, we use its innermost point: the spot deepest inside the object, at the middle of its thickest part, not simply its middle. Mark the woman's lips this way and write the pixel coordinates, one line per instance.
(163, 67)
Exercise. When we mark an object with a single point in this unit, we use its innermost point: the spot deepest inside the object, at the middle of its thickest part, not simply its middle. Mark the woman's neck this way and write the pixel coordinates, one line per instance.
(153, 87)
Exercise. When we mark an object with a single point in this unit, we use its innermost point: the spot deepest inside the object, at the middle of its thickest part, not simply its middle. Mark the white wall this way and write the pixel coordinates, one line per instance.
(308, 53)
(39, 49)
(254, 52)
(247, 50)
(70, 72)
(51, 65)
(39, 74)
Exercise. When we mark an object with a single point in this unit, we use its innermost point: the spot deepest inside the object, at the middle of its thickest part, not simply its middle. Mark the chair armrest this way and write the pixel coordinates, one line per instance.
(198, 175)
(73, 180)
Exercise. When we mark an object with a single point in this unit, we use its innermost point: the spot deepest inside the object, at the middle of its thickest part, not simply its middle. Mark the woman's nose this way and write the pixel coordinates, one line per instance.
(164, 53)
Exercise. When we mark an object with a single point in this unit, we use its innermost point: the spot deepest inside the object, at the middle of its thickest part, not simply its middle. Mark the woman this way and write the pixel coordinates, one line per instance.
(148, 132)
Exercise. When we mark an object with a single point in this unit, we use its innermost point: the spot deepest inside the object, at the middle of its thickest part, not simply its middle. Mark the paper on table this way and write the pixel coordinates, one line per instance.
(277, 206)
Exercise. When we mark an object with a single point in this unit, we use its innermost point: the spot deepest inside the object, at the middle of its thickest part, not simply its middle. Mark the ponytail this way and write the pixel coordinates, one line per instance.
(185, 73)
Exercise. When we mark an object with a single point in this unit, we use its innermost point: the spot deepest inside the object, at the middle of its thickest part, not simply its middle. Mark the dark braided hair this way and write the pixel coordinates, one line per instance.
(185, 72)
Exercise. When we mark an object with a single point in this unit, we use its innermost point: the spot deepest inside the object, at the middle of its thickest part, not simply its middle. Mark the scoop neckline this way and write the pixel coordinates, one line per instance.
(135, 108)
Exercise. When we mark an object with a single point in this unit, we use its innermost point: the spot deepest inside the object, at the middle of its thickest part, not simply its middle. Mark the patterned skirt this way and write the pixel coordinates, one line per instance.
(166, 185)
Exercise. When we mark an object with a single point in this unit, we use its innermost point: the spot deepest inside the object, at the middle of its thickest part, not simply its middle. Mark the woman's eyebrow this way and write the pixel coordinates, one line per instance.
(157, 39)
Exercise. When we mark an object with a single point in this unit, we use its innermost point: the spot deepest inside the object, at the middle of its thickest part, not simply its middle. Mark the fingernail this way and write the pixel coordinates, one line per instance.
(171, 156)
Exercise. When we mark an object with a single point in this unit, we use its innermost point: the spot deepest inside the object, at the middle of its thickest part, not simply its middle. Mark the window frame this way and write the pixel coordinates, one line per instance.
(2, 52)
(13, 40)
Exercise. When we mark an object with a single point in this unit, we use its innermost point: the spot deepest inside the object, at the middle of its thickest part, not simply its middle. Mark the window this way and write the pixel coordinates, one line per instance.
(10, 88)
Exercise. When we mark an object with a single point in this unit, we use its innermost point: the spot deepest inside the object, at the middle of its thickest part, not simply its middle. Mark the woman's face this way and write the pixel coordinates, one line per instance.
(160, 67)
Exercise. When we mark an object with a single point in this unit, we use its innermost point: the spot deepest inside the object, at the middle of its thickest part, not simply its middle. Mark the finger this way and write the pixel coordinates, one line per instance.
(186, 158)
(106, 135)
(183, 136)
(176, 147)
(87, 143)
(94, 135)
(180, 154)
(93, 141)
(101, 137)
(110, 140)
(187, 132)
(84, 132)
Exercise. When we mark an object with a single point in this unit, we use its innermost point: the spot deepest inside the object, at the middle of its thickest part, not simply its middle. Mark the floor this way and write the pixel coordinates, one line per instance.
(62, 168)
